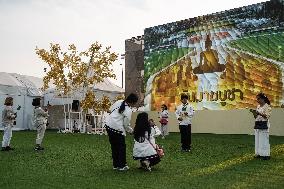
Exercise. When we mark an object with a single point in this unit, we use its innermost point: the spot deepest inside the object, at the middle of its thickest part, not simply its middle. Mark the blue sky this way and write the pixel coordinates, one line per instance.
(25, 24)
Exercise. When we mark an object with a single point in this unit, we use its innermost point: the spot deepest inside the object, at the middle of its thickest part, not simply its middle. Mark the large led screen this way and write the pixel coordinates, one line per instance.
(221, 60)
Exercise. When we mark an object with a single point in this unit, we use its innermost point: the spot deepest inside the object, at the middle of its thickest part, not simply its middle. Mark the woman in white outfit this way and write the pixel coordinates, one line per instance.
(262, 125)
(8, 118)
(40, 118)
(117, 124)
(144, 142)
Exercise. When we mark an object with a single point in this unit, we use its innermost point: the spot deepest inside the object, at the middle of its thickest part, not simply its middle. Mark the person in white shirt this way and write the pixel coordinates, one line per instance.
(144, 148)
(262, 125)
(117, 124)
(40, 121)
(164, 115)
(184, 114)
(8, 119)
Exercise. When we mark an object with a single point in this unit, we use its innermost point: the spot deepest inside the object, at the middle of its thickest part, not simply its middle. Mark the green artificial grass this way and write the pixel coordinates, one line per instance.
(264, 45)
(84, 161)
(159, 59)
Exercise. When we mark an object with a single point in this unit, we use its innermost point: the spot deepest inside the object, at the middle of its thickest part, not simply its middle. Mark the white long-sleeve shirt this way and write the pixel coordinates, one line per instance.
(119, 122)
(164, 114)
(266, 110)
(40, 116)
(180, 113)
(155, 132)
(8, 116)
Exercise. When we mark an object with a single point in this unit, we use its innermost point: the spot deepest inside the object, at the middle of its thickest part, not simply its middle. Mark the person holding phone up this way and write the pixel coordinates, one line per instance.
(8, 119)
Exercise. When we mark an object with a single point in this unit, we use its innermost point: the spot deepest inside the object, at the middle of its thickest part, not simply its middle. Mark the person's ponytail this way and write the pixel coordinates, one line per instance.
(131, 98)
(122, 107)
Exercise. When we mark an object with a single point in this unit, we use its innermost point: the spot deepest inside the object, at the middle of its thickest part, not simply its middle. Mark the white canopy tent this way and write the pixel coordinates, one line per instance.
(23, 89)
(70, 119)
(106, 88)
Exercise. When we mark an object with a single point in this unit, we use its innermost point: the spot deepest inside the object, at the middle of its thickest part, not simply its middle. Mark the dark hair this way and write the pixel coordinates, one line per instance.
(141, 126)
(131, 98)
(8, 101)
(165, 106)
(264, 97)
(36, 102)
(184, 96)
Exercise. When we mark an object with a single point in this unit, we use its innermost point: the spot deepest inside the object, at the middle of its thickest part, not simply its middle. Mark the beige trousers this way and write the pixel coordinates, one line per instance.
(40, 133)
(7, 135)
(262, 146)
(164, 130)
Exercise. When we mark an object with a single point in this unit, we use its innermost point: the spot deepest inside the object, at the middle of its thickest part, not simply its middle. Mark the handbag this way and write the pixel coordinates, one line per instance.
(260, 125)
(159, 149)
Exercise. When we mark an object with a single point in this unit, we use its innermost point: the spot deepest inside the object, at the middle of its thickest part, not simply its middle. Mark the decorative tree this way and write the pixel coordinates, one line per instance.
(72, 71)
(119, 97)
(106, 103)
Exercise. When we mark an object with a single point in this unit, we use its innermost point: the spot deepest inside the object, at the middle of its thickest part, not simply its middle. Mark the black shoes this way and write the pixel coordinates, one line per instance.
(265, 157)
(38, 148)
(7, 148)
(262, 157)
(185, 150)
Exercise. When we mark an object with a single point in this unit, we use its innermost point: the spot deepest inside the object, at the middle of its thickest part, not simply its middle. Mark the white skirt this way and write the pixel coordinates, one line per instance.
(143, 150)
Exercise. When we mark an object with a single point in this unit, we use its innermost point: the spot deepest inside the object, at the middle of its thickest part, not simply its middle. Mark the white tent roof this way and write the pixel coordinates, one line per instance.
(104, 88)
(12, 83)
(107, 85)
(23, 84)
(8, 80)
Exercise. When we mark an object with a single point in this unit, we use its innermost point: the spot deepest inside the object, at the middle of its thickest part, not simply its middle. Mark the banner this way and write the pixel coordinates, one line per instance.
(222, 61)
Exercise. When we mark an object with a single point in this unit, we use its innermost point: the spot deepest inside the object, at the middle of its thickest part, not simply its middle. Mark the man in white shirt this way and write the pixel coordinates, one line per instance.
(184, 114)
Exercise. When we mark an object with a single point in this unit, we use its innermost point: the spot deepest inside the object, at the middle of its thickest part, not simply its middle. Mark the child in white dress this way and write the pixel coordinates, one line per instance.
(164, 115)
(144, 142)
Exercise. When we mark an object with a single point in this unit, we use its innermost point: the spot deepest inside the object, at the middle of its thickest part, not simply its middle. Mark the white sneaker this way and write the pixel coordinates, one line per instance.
(125, 168)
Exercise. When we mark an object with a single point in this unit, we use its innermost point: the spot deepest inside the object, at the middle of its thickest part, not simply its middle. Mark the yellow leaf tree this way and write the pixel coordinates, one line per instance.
(78, 71)
(119, 97)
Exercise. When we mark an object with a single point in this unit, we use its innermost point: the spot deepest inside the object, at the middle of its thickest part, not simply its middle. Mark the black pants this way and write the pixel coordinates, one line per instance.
(118, 149)
(185, 136)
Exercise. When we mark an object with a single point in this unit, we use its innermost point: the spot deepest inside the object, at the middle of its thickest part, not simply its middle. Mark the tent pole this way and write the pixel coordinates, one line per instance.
(24, 110)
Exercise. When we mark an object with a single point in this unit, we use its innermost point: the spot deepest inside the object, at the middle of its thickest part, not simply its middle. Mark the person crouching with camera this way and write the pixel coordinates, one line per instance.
(262, 125)
(8, 119)
(40, 118)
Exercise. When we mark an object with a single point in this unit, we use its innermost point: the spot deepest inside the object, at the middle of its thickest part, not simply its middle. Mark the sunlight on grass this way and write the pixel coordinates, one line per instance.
(222, 166)
(276, 150)
(273, 169)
